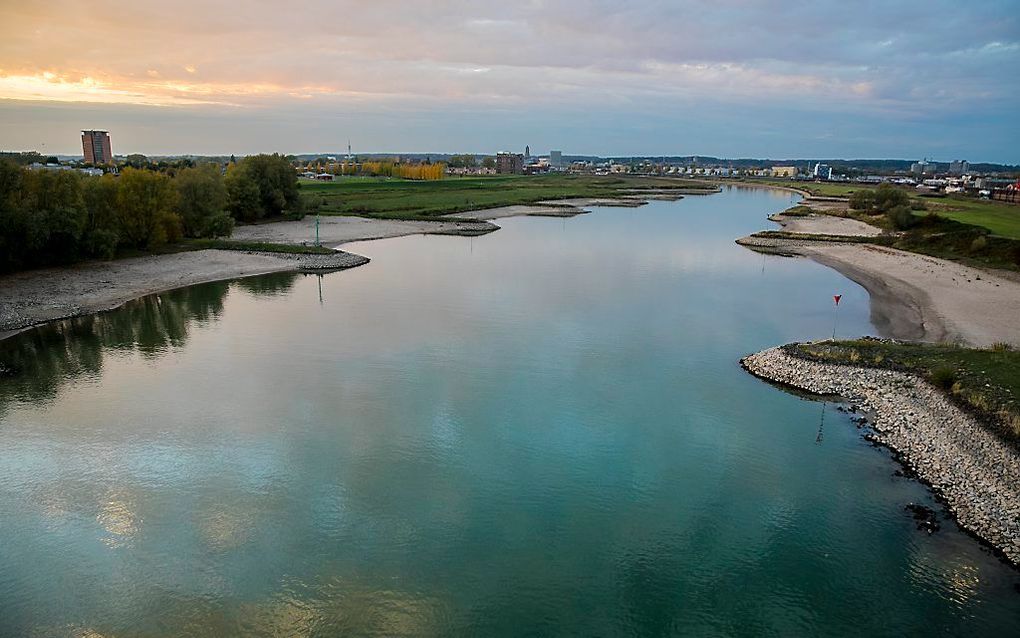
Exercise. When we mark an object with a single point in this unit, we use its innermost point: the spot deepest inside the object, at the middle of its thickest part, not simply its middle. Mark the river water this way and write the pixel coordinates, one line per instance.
(542, 431)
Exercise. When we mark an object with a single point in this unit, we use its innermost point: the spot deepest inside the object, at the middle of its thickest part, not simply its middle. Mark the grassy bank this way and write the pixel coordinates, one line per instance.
(406, 199)
(999, 218)
(938, 235)
(984, 382)
(975, 232)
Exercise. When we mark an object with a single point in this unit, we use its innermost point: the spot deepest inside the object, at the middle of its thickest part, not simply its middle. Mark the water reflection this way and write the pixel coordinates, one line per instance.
(36, 363)
(545, 434)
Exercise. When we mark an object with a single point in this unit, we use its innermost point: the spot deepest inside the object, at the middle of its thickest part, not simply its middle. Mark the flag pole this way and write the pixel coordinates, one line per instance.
(835, 314)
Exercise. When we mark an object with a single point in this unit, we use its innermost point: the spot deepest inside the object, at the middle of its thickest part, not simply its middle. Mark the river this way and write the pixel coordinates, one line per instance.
(542, 431)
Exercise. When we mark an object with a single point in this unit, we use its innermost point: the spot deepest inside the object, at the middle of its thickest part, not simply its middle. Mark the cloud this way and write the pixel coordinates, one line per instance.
(897, 61)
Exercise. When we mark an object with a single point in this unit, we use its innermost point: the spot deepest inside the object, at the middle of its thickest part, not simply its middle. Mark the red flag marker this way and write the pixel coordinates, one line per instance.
(835, 311)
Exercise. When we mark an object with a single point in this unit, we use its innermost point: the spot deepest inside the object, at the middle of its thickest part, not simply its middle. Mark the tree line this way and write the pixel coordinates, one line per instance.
(51, 217)
(893, 202)
(382, 168)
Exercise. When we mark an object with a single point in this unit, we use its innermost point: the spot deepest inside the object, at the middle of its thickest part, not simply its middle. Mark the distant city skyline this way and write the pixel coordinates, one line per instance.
(727, 79)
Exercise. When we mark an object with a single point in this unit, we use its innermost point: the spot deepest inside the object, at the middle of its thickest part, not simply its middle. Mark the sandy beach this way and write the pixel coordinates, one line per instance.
(913, 296)
(825, 225)
(337, 230)
(38, 296)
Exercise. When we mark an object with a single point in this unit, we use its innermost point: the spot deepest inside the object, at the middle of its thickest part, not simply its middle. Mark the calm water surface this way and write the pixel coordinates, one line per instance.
(543, 431)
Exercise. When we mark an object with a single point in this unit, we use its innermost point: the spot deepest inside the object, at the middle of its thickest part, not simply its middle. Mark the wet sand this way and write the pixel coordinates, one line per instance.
(913, 296)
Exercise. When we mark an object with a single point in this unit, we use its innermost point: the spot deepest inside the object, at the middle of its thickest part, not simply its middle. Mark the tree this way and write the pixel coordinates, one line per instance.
(862, 200)
(244, 202)
(13, 216)
(102, 230)
(900, 217)
(202, 201)
(136, 160)
(888, 197)
(57, 215)
(146, 204)
(262, 186)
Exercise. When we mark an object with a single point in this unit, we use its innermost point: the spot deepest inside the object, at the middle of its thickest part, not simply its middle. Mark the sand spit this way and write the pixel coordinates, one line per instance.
(825, 225)
(335, 230)
(917, 297)
(913, 296)
(543, 210)
(967, 466)
(34, 297)
(37, 296)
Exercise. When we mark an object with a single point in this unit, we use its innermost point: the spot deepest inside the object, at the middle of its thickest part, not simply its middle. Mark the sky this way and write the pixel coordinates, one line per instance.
(729, 78)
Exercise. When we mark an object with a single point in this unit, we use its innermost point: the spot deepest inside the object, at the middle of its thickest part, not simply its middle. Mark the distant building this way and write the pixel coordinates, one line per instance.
(509, 163)
(95, 146)
(781, 171)
(38, 166)
(556, 159)
(527, 151)
(922, 167)
(822, 171)
(959, 167)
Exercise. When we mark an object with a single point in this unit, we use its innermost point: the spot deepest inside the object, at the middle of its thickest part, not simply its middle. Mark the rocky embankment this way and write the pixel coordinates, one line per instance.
(975, 473)
(337, 260)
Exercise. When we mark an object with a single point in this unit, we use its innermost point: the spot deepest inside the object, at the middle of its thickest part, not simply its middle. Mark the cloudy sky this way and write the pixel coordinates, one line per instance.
(727, 78)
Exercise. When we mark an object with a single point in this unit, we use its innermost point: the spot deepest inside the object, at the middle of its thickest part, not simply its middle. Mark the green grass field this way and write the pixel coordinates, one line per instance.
(819, 189)
(999, 217)
(406, 199)
(984, 381)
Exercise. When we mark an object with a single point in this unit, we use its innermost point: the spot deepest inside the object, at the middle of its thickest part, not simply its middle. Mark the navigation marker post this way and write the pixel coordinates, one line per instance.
(835, 314)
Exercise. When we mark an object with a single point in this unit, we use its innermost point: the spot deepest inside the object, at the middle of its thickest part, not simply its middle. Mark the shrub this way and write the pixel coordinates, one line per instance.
(979, 244)
(862, 200)
(900, 217)
(1002, 346)
(917, 204)
(980, 401)
(888, 197)
(943, 377)
(219, 225)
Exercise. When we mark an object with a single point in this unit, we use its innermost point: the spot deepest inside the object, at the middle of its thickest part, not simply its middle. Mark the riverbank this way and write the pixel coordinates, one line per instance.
(969, 468)
(913, 296)
(437, 199)
(35, 297)
(38, 296)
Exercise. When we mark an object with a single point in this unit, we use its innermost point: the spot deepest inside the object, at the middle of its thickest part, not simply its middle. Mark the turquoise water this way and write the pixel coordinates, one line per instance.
(542, 431)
